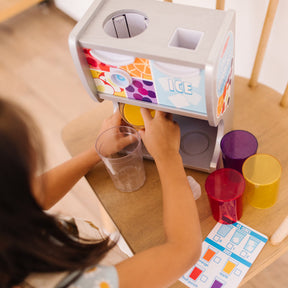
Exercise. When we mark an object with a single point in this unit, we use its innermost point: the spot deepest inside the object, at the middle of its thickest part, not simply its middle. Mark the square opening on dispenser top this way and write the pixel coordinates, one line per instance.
(185, 38)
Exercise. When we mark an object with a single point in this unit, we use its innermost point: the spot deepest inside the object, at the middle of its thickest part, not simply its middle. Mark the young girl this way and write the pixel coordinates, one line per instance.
(33, 241)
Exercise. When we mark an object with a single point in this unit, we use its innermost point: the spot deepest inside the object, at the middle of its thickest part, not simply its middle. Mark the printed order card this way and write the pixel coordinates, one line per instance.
(227, 254)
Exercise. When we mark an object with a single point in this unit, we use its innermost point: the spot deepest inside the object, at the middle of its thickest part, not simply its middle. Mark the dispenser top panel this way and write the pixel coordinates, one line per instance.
(179, 34)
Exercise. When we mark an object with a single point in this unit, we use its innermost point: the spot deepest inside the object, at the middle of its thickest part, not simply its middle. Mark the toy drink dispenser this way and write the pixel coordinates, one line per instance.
(162, 56)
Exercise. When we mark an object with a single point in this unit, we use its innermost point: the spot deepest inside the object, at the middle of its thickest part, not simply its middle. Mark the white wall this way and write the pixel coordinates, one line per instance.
(250, 15)
(73, 8)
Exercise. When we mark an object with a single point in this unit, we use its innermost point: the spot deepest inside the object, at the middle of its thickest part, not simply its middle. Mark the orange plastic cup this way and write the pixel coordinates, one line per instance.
(262, 173)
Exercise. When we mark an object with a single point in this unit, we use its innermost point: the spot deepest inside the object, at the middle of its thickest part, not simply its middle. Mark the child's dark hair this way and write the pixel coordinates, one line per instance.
(31, 240)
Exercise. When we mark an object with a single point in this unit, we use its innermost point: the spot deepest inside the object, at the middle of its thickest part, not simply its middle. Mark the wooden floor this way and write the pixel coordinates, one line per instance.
(37, 71)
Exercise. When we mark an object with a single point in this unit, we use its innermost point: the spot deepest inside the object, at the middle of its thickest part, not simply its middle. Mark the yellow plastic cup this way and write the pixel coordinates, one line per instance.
(132, 115)
(262, 173)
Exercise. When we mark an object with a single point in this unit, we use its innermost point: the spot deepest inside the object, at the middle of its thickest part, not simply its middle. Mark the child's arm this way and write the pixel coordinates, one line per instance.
(162, 265)
(59, 180)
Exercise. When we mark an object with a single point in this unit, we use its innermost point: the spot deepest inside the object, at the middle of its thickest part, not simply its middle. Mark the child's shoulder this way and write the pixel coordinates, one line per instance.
(98, 276)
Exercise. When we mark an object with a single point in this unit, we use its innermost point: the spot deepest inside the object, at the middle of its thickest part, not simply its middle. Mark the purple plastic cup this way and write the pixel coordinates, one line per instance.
(237, 146)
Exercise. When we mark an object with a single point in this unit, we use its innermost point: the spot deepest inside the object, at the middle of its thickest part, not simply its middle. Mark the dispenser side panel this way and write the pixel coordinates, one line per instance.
(224, 76)
(220, 75)
(150, 81)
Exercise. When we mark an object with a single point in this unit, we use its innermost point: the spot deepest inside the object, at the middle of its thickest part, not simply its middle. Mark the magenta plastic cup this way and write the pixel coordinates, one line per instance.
(236, 147)
(225, 188)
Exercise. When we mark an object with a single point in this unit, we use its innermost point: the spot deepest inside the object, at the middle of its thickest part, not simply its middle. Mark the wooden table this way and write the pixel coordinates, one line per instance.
(13, 7)
(138, 215)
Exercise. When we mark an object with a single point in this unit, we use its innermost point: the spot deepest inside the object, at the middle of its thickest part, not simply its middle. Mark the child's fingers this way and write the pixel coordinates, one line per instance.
(117, 115)
(159, 113)
(162, 114)
(114, 119)
(145, 114)
(169, 116)
(141, 133)
(125, 141)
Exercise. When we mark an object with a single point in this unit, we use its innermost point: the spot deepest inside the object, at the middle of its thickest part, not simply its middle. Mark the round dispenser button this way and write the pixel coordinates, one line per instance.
(120, 78)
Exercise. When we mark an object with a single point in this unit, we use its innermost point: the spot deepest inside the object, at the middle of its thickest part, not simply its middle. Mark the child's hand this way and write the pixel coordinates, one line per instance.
(161, 135)
(114, 142)
(114, 120)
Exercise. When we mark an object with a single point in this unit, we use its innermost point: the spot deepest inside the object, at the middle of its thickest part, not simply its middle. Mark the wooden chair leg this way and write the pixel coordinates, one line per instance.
(270, 15)
(284, 100)
(220, 4)
(281, 233)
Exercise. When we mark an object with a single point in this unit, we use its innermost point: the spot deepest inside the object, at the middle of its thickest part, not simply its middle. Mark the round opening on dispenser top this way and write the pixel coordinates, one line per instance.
(125, 24)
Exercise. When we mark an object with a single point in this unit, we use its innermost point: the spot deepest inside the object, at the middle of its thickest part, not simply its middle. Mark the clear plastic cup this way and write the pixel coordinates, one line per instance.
(120, 148)
(236, 147)
(225, 188)
(262, 173)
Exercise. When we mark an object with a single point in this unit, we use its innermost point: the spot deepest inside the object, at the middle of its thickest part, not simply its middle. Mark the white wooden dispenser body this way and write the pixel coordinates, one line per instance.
(163, 56)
